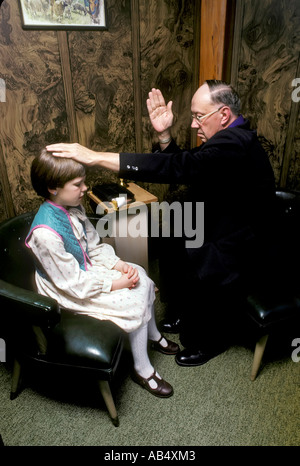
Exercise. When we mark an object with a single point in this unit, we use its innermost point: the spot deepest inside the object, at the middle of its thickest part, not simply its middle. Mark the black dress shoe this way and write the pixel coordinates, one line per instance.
(169, 326)
(191, 358)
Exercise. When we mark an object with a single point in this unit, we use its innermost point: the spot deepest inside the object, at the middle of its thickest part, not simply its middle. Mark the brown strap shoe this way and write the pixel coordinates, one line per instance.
(172, 347)
(163, 389)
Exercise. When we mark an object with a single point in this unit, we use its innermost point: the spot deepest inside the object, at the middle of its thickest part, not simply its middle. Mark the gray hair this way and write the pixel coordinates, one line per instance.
(223, 93)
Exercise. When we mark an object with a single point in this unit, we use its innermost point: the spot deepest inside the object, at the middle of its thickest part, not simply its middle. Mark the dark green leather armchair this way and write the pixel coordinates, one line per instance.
(274, 304)
(37, 331)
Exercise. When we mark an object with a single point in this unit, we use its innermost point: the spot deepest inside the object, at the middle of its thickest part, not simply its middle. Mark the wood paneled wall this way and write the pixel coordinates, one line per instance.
(216, 34)
(265, 62)
(91, 86)
(216, 39)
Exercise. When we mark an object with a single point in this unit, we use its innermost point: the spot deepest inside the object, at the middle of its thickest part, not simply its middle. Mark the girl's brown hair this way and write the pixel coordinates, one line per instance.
(50, 172)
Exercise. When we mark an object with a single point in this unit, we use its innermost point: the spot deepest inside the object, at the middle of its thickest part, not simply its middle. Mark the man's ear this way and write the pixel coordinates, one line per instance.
(226, 115)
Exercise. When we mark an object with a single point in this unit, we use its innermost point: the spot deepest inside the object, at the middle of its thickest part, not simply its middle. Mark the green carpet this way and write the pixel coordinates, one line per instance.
(213, 405)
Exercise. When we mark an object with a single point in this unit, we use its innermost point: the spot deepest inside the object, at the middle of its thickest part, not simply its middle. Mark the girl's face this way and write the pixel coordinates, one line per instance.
(71, 194)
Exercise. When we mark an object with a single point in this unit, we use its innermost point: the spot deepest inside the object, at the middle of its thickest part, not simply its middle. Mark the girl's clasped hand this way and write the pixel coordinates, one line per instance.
(129, 278)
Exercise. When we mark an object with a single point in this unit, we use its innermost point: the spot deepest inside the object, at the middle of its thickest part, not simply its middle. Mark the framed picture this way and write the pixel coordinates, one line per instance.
(63, 14)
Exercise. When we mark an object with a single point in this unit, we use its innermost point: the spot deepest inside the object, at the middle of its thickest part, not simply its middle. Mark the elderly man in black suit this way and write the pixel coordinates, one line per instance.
(230, 173)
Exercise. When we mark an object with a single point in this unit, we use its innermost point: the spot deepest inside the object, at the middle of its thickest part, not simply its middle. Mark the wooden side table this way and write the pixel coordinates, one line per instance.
(127, 227)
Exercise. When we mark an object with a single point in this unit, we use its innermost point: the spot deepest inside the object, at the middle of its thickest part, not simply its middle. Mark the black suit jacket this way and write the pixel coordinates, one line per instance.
(232, 175)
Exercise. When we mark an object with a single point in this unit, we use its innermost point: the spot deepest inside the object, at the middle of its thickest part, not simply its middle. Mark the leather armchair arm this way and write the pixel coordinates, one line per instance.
(38, 309)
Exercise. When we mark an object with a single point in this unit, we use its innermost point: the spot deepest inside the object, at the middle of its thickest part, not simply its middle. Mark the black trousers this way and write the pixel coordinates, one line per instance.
(210, 312)
(212, 318)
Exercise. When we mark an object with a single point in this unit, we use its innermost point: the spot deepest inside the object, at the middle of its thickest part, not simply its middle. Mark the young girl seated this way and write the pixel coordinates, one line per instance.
(73, 267)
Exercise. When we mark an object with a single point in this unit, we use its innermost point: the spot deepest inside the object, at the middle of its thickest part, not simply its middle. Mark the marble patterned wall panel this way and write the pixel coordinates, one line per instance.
(167, 63)
(2, 205)
(293, 175)
(267, 63)
(167, 60)
(34, 112)
(101, 66)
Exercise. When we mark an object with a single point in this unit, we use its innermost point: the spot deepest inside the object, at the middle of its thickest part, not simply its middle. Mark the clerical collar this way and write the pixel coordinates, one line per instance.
(239, 121)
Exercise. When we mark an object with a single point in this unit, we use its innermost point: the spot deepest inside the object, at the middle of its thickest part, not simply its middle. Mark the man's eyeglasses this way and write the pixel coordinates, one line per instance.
(199, 118)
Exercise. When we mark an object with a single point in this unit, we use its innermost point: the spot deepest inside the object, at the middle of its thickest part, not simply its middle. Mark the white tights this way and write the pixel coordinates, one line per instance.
(138, 342)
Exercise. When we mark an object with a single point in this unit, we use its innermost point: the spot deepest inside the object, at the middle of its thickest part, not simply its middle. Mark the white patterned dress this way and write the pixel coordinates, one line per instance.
(88, 291)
